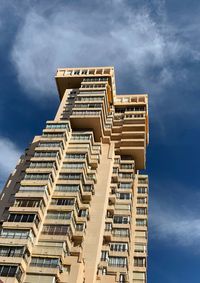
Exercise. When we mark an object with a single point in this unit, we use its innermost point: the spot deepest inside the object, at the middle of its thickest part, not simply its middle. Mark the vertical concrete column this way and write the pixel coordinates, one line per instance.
(95, 227)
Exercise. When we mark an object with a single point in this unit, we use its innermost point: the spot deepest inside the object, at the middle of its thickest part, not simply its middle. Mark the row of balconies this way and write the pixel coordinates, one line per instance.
(27, 212)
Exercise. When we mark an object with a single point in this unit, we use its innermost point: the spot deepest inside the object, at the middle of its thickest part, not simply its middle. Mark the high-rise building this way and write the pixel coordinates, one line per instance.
(75, 210)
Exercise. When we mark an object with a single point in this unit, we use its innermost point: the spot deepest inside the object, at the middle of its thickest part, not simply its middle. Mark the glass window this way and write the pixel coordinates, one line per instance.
(142, 190)
(104, 255)
(51, 144)
(67, 188)
(139, 261)
(10, 271)
(45, 262)
(57, 126)
(124, 195)
(11, 251)
(117, 261)
(119, 247)
(141, 222)
(70, 176)
(121, 219)
(125, 185)
(21, 218)
(141, 210)
(45, 153)
(75, 155)
(60, 201)
(77, 165)
(59, 215)
(140, 248)
(56, 230)
(120, 232)
(36, 176)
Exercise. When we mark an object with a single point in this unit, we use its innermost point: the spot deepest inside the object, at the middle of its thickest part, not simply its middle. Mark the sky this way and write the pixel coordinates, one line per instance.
(154, 47)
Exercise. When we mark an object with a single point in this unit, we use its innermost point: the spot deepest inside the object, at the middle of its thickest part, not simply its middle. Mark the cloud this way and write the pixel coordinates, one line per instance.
(131, 39)
(175, 220)
(182, 229)
(9, 155)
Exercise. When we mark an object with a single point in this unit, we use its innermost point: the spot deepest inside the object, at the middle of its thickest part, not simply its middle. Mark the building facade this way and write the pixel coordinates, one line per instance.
(75, 210)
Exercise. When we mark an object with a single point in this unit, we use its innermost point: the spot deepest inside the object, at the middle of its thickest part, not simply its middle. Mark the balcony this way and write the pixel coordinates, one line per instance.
(33, 192)
(53, 270)
(88, 119)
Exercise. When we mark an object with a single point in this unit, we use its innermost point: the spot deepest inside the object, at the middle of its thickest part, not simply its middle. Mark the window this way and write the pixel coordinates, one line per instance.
(104, 255)
(92, 92)
(142, 190)
(41, 164)
(67, 188)
(122, 278)
(84, 72)
(36, 176)
(95, 79)
(140, 248)
(56, 230)
(38, 189)
(121, 219)
(141, 222)
(134, 116)
(117, 261)
(59, 215)
(45, 262)
(45, 154)
(83, 213)
(51, 144)
(23, 218)
(124, 195)
(126, 166)
(87, 188)
(119, 247)
(10, 271)
(123, 207)
(75, 155)
(59, 201)
(70, 176)
(141, 210)
(139, 276)
(125, 185)
(140, 235)
(125, 175)
(57, 126)
(87, 105)
(11, 251)
(141, 200)
(27, 203)
(81, 136)
(143, 181)
(108, 226)
(16, 234)
(80, 227)
(53, 135)
(77, 165)
(90, 98)
(86, 113)
(116, 161)
(139, 261)
(120, 232)
(93, 85)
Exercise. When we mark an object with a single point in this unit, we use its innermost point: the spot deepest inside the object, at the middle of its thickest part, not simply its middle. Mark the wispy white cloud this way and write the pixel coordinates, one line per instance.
(128, 38)
(9, 155)
(181, 229)
(175, 219)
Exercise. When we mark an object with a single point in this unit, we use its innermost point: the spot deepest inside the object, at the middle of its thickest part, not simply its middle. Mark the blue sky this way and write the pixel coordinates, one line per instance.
(154, 46)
